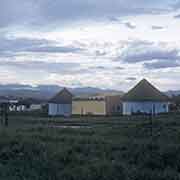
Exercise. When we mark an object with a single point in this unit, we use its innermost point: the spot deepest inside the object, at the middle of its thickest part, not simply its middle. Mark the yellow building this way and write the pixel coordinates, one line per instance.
(108, 105)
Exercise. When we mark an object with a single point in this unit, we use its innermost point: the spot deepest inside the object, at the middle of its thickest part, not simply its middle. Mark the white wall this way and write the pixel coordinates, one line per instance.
(21, 108)
(145, 107)
(34, 107)
(59, 109)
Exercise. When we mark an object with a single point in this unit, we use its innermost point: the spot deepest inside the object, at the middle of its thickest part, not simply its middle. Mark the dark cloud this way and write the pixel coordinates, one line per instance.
(113, 19)
(140, 51)
(101, 67)
(150, 55)
(100, 53)
(13, 12)
(157, 27)
(162, 64)
(68, 10)
(54, 49)
(10, 47)
(119, 68)
(176, 5)
(39, 12)
(129, 25)
(131, 78)
(50, 67)
(107, 68)
(177, 16)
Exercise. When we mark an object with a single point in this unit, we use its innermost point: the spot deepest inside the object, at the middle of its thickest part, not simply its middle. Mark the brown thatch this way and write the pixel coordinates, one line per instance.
(144, 91)
(63, 97)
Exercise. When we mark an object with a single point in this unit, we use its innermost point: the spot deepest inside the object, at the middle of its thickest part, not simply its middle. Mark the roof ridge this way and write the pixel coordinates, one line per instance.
(59, 97)
(144, 91)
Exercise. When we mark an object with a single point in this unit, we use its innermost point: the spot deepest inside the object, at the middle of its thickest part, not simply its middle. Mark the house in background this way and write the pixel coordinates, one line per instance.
(113, 105)
(24, 105)
(145, 98)
(89, 106)
(97, 105)
(61, 104)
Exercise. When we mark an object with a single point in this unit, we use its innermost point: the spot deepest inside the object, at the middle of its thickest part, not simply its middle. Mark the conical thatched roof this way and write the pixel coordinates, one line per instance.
(63, 97)
(144, 91)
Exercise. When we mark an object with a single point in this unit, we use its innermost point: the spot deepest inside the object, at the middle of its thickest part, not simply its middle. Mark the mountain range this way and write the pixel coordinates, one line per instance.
(47, 91)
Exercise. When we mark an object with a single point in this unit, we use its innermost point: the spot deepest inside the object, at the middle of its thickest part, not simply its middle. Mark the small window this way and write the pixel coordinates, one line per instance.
(118, 108)
(164, 106)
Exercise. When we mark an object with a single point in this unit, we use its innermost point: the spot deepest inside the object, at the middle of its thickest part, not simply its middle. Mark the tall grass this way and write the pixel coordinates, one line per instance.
(33, 148)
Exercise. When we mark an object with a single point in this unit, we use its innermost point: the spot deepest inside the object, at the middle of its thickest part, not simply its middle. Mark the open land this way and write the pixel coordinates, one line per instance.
(90, 148)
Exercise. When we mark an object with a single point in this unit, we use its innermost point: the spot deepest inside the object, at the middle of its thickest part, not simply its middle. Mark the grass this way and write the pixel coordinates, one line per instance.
(106, 148)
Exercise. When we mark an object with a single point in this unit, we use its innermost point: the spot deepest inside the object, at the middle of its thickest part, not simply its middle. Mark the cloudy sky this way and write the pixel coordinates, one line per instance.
(99, 43)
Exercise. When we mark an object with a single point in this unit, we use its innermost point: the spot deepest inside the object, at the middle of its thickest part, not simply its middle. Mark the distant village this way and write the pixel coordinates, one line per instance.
(144, 98)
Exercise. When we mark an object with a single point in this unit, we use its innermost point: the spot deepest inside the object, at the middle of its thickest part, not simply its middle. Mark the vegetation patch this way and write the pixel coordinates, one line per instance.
(114, 148)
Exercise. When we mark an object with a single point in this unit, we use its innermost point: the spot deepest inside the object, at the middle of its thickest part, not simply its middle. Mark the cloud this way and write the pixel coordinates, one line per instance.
(100, 53)
(140, 51)
(54, 49)
(119, 68)
(100, 67)
(10, 47)
(33, 12)
(162, 64)
(49, 67)
(151, 54)
(131, 78)
(157, 27)
(113, 19)
(13, 12)
(177, 16)
(130, 25)
(80, 9)
(176, 5)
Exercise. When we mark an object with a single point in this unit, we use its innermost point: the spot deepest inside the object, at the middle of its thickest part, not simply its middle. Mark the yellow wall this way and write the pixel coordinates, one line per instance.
(85, 107)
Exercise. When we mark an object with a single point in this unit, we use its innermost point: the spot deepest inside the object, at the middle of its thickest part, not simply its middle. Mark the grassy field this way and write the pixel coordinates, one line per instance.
(90, 148)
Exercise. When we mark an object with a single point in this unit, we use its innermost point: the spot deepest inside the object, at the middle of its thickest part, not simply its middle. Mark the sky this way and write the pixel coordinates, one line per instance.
(79, 43)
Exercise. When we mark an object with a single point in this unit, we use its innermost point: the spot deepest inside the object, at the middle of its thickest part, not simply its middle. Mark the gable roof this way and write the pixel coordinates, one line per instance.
(144, 91)
(63, 97)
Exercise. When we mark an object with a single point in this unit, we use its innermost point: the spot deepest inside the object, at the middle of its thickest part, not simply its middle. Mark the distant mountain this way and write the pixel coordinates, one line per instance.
(171, 93)
(47, 91)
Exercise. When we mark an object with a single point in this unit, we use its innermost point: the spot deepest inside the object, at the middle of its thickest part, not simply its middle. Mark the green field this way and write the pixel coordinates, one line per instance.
(90, 148)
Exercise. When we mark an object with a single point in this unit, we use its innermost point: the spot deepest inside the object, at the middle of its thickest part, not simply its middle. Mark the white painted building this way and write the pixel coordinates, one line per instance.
(35, 107)
(61, 104)
(146, 99)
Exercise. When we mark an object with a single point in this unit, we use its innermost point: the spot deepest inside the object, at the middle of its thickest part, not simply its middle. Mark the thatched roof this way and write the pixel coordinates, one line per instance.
(144, 91)
(63, 97)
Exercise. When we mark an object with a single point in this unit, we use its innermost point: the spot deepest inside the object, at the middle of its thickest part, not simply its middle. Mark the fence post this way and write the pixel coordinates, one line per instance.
(1, 113)
(6, 115)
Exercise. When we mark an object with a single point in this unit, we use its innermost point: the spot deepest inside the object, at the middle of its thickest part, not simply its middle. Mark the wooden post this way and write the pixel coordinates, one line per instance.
(151, 123)
(6, 115)
(1, 106)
